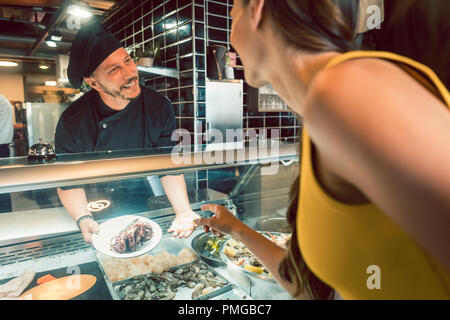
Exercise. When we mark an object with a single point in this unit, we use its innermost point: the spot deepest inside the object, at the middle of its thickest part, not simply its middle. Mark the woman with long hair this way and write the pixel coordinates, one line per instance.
(370, 212)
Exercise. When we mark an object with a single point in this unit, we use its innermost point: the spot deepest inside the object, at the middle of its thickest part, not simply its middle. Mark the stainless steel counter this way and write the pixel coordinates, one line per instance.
(70, 259)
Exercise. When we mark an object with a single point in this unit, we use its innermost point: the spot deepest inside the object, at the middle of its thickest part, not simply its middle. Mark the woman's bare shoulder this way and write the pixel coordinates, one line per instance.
(379, 130)
(355, 93)
(365, 78)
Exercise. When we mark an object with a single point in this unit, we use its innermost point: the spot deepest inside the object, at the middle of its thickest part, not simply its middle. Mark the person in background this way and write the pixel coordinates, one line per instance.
(6, 136)
(370, 211)
(116, 114)
(6, 126)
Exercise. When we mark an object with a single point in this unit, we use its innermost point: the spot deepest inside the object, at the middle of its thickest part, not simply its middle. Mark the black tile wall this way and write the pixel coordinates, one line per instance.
(184, 29)
(218, 25)
(178, 26)
(171, 24)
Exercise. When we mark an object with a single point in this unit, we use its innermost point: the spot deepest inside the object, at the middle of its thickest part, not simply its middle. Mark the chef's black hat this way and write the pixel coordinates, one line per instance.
(91, 46)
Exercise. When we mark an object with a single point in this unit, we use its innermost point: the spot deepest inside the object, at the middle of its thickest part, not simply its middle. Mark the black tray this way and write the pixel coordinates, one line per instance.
(184, 293)
(99, 291)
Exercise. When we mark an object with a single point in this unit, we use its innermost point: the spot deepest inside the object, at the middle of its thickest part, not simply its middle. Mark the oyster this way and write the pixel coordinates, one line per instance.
(195, 276)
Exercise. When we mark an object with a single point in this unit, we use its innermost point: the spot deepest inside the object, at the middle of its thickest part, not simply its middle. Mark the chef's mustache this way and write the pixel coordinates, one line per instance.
(129, 81)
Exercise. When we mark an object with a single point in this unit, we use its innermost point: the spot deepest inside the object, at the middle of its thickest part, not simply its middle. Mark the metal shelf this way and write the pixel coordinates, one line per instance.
(166, 72)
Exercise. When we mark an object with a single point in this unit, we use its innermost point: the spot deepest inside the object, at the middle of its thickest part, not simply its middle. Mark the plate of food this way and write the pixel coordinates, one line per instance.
(237, 256)
(127, 236)
(207, 246)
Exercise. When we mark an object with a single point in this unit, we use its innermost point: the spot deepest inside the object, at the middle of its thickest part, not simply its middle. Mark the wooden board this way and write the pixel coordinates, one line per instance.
(61, 289)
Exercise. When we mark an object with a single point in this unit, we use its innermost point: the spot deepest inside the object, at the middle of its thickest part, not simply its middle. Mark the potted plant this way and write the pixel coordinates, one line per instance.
(147, 55)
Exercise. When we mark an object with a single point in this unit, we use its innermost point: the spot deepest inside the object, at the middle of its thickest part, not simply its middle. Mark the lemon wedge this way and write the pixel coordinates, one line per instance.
(253, 269)
(229, 251)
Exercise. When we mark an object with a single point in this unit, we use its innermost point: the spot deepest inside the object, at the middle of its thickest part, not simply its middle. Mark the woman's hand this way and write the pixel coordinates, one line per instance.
(223, 221)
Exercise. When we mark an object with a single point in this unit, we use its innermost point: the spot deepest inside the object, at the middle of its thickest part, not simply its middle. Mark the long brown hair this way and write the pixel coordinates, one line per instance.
(313, 26)
(330, 25)
(419, 30)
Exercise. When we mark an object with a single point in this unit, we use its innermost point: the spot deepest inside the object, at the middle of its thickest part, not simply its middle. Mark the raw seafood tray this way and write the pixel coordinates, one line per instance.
(183, 292)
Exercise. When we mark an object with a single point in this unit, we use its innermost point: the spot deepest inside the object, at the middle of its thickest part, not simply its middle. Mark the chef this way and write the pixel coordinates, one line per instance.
(116, 114)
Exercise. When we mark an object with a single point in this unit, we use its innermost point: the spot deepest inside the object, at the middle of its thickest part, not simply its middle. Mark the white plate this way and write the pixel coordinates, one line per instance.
(111, 228)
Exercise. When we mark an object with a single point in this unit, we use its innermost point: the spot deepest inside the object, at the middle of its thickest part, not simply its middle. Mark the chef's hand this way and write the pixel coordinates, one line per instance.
(223, 221)
(88, 228)
(183, 224)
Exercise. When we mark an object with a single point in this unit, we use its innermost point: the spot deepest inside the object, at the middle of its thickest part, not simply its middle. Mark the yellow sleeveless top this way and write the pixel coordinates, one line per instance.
(356, 249)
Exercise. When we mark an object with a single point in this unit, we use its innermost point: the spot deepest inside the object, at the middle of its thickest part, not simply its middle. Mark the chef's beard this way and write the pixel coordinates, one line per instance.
(118, 93)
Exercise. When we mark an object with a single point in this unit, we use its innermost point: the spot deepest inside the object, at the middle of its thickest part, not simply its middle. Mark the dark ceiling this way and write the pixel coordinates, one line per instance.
(25, 25)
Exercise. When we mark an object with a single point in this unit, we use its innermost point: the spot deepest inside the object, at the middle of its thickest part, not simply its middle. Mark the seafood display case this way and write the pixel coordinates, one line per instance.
(39, 236)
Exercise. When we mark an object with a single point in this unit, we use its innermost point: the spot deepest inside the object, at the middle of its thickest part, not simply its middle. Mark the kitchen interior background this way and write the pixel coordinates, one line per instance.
(184, 29)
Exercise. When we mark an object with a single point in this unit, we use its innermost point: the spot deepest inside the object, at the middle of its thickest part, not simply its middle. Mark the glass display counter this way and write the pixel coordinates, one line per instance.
(38, 235)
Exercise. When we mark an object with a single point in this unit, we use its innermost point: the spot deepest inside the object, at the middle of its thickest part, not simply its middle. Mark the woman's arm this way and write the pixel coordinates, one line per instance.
(382, 132)
(264, 249)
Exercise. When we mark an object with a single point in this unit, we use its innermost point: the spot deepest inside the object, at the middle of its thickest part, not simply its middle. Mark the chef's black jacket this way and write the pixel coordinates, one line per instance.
(89, 125)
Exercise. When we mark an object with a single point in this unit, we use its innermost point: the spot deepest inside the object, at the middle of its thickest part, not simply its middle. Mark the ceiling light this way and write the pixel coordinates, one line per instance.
(51, 44)
(169, 25)
(79, 11)
(43, 66)
(8, 64)
(56, 36)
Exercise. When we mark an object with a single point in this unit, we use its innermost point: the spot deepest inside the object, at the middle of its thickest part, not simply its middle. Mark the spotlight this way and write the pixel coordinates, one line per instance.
(8, 64)
(56, 36)
(51, 44)
(79, 11)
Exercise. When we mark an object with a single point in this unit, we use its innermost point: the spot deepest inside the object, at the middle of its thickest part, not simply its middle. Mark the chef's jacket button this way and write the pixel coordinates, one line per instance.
(104, 126)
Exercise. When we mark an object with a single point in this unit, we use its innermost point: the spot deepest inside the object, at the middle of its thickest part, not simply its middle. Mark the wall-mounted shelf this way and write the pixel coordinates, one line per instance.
(166, 72)
(41, 89)
(264, 99)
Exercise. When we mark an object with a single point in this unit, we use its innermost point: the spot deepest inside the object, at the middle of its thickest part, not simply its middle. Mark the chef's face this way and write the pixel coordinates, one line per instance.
(116, 76)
